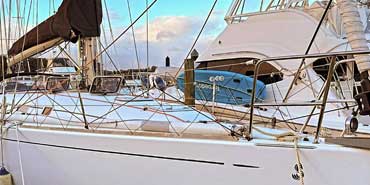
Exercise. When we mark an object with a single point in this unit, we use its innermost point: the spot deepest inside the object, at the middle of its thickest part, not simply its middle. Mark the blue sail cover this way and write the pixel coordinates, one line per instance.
(231, 88)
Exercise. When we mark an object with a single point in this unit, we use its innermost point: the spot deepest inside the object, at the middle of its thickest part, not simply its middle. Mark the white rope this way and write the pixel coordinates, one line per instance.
(296, 139)
(299, 163)
(20, 154)
(285, 134)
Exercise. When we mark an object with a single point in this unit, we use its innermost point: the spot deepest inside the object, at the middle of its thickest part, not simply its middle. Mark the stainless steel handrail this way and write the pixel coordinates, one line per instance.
(258, 64)
(321, 93)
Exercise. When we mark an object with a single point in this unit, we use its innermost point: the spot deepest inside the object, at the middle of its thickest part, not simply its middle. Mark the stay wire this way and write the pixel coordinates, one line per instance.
(198, 36)
(123, 32)
(133, 35)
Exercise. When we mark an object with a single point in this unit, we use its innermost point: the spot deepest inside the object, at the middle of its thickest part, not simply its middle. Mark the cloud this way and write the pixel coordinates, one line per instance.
(114, 15)
(168, 36)
(168, 28)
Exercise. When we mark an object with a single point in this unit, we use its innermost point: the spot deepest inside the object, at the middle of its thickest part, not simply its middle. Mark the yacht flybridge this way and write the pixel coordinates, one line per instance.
(87, 128)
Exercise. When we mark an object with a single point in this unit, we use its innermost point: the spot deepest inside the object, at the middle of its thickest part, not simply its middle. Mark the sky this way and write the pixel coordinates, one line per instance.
(173, 27)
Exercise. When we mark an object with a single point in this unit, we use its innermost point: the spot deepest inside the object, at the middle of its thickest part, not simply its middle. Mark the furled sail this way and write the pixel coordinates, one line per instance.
(74, 18)
(355, 32)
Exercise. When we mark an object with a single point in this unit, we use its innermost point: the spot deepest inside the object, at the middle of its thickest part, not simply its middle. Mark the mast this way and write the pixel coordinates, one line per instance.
(90, 65)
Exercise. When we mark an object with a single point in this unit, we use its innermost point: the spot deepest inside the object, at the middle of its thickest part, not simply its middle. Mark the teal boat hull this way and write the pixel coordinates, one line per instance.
(230, 88)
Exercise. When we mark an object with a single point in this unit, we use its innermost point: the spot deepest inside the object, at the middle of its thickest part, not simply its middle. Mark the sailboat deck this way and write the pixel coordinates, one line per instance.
(356, 142)
(112, 131)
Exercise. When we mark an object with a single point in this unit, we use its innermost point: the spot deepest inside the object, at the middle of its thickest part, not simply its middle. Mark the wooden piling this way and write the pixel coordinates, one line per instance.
(189, 79)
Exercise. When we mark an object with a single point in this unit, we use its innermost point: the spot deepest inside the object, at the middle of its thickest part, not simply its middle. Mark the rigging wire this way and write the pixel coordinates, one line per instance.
(123, 32)
(117, 113)
(315, 114)
(2, 55)
(132, 28)
(147, 35)
(303, 63)
(37, 31)
(82, 108)
(36, 15)
(124, 104)
(233, 132)
(19, 65)
(4, 24)
(3, 107)
(27, 23)
(105, 41)
(109, 23)
(133, 36)
(110, 59)
(23, 14)
(19, 25)
(9, 23)
(198, 36)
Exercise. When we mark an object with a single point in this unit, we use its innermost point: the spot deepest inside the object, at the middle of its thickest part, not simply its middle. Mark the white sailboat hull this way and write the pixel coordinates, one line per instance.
(75, 158)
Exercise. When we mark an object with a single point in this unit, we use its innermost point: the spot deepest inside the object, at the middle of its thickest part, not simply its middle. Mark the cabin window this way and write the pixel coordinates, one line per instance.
(57, 84)
(16, 87)
(105, 85)
(267, 73)
(237, 80)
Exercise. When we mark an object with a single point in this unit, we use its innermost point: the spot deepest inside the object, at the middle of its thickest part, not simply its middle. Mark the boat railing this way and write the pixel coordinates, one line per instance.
(324, 94)
(238, 11)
